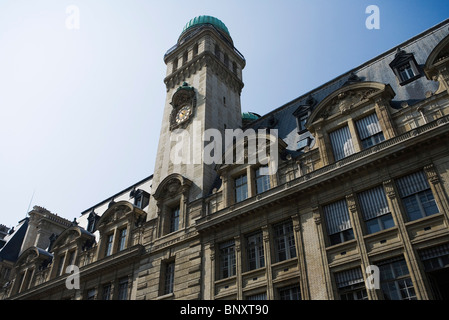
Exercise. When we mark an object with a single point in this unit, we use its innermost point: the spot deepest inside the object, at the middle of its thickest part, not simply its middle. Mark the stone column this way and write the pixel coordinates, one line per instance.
(358, 233)
(267, 253)
(305, 295)
(324, 263)
(355, 137)
(437, 190)
(383, 114)
(238, 267)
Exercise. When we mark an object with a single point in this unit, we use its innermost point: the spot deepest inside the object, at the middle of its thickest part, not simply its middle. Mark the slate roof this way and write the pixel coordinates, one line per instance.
(376, 70)
(10, 251)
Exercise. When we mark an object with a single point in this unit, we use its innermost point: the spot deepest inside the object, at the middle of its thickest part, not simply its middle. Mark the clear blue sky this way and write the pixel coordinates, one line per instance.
(80, 110)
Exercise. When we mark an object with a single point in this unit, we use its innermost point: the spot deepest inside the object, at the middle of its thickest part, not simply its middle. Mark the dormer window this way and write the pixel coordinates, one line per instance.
(406, 72)
(405, 67)
(141, 198)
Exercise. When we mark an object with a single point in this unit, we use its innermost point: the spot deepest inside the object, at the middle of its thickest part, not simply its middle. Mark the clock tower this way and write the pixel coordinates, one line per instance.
(204, 83)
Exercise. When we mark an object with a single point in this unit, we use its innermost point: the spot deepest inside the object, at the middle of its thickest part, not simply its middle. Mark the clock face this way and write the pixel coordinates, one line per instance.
(183, 114)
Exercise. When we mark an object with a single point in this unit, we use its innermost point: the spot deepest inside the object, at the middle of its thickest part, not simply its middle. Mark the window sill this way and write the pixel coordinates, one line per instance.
(403, 83)
(166, 296)
(424, 219)
(341, 245)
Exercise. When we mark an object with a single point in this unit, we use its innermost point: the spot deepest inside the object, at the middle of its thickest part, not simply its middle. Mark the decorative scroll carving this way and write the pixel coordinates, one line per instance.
(432, 174)
(389, 189)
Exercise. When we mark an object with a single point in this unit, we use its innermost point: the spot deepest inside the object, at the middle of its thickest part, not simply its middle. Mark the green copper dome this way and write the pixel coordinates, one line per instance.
(250, 116)
(201, 20)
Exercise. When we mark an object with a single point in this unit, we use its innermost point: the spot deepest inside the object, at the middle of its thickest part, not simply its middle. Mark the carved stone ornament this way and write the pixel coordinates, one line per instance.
(345, 101)
(183, 103)
(173, 186)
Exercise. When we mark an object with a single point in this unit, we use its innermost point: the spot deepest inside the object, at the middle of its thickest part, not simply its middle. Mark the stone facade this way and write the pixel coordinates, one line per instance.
(362, 182)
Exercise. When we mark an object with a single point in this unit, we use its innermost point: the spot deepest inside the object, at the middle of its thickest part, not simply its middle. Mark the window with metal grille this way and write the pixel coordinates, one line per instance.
(369, 131)
(341, 142)
(351, 285)
(375, 210)
(338, 223)
(416, 195)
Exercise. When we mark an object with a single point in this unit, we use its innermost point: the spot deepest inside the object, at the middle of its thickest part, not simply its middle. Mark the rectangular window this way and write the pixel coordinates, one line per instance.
(416, 195)
(106, 292)
(338, 222)
(284, 240)
(123, 289)
(227, 259)
(303, 143)
(255, 252)
(435, 258)
(241, 188)
(290, 293)
(262, 181)
(91, 294)
(122, 242)
(71, 260)
(174, 219)
(375, 210)
(109, 240)
(351, 285)
(369, 131)
(259, 296)
(60, 265)
(169, 278)
(302, 120)
(406, 72)
(341, 141)
(395, 281)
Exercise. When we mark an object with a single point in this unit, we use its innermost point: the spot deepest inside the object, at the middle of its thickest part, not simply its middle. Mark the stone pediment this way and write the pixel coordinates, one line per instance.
(171, 186)
(347, 99)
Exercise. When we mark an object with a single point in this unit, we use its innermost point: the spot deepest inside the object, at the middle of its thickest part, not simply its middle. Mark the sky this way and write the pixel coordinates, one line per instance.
(81, 104)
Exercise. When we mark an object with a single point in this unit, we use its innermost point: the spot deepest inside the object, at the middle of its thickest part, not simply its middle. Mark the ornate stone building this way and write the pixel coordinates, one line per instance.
(362, 181)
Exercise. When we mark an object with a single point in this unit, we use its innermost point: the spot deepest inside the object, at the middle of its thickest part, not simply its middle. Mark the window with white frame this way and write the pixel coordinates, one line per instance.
(369, 131)
(395, 281)
(255, 252)
(338, 223)
(416, 195)
(341, 142)
(227, 259)
(406, 72)
(351, 285)
(284, 240)
(375, 210)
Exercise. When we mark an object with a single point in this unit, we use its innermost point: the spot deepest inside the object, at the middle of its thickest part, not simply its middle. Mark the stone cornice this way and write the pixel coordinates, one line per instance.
(329, 173)
(204, 59)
